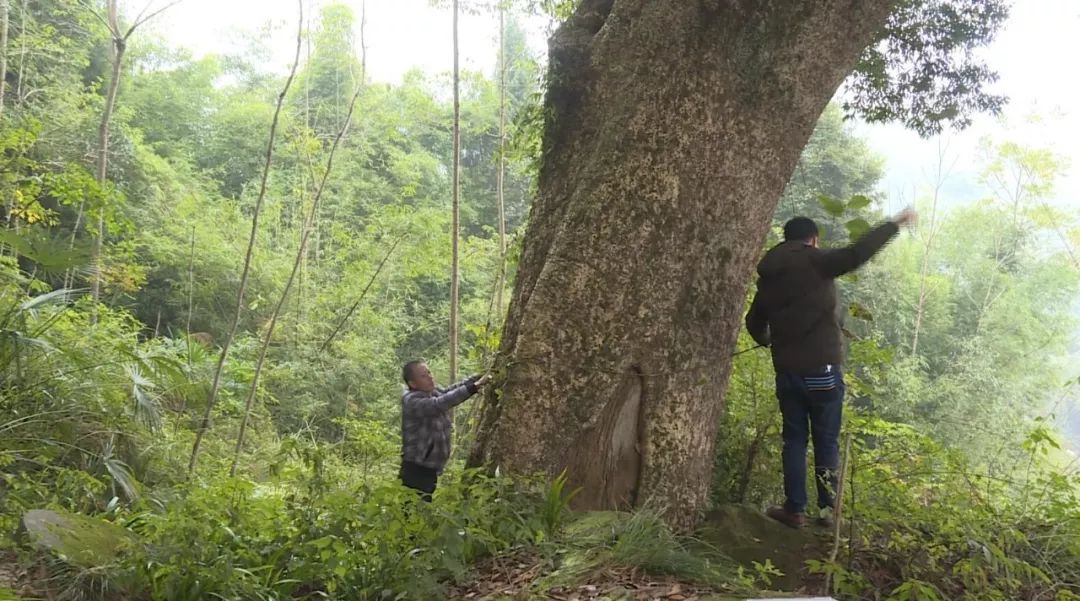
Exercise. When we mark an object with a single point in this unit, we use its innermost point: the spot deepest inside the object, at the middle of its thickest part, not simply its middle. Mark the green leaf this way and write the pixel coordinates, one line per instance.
(122, 476)
(857, 227)
(858, 202)
(58, 297)
(832, 206)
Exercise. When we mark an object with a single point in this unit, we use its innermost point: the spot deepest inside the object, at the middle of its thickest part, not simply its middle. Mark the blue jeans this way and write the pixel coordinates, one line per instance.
(812, 404)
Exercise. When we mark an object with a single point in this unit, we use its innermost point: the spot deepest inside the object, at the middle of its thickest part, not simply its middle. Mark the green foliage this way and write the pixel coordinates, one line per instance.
(992, 307)
(80, 403)
(747, 456)
(596, 541)
(98, 404)
(761, 577)
(932, 522)
(835, 165)
(167, 98)
(557, 502)
(330, 77)
(340, 540)
(924, 72)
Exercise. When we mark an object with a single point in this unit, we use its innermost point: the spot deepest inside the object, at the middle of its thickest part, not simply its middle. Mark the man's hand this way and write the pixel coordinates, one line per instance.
(474, 383)
(906, 217)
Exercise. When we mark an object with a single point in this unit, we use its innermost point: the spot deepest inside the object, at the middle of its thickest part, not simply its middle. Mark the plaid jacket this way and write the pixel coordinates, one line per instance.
(425, 423)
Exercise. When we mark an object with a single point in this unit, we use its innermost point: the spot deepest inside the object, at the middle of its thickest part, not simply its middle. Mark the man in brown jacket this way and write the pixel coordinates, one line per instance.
(794, 312)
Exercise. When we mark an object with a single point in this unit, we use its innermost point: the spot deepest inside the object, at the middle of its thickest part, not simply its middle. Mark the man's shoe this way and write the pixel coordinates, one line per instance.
(791, 520)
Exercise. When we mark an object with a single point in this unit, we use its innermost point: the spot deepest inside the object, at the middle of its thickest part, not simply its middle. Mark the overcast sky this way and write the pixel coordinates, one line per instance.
(1035, 55)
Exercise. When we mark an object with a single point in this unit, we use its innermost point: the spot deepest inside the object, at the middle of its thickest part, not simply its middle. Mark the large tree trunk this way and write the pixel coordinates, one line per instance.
(672, 130)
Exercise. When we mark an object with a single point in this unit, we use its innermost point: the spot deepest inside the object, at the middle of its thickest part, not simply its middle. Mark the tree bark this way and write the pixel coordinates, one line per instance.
(119, 46)
(671, 131)
(119, 42)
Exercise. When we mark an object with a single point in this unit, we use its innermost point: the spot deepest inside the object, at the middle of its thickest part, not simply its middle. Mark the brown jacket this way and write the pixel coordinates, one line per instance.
(794, 309)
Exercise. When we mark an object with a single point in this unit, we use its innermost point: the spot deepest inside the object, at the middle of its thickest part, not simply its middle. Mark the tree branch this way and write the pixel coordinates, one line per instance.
(205, 425)
(292, 276)
(104, 21)
(140, 20)
(359, 299)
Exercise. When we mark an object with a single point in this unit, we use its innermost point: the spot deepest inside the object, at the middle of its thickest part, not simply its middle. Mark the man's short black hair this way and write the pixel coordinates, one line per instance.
(407, 369)
(801, 229)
